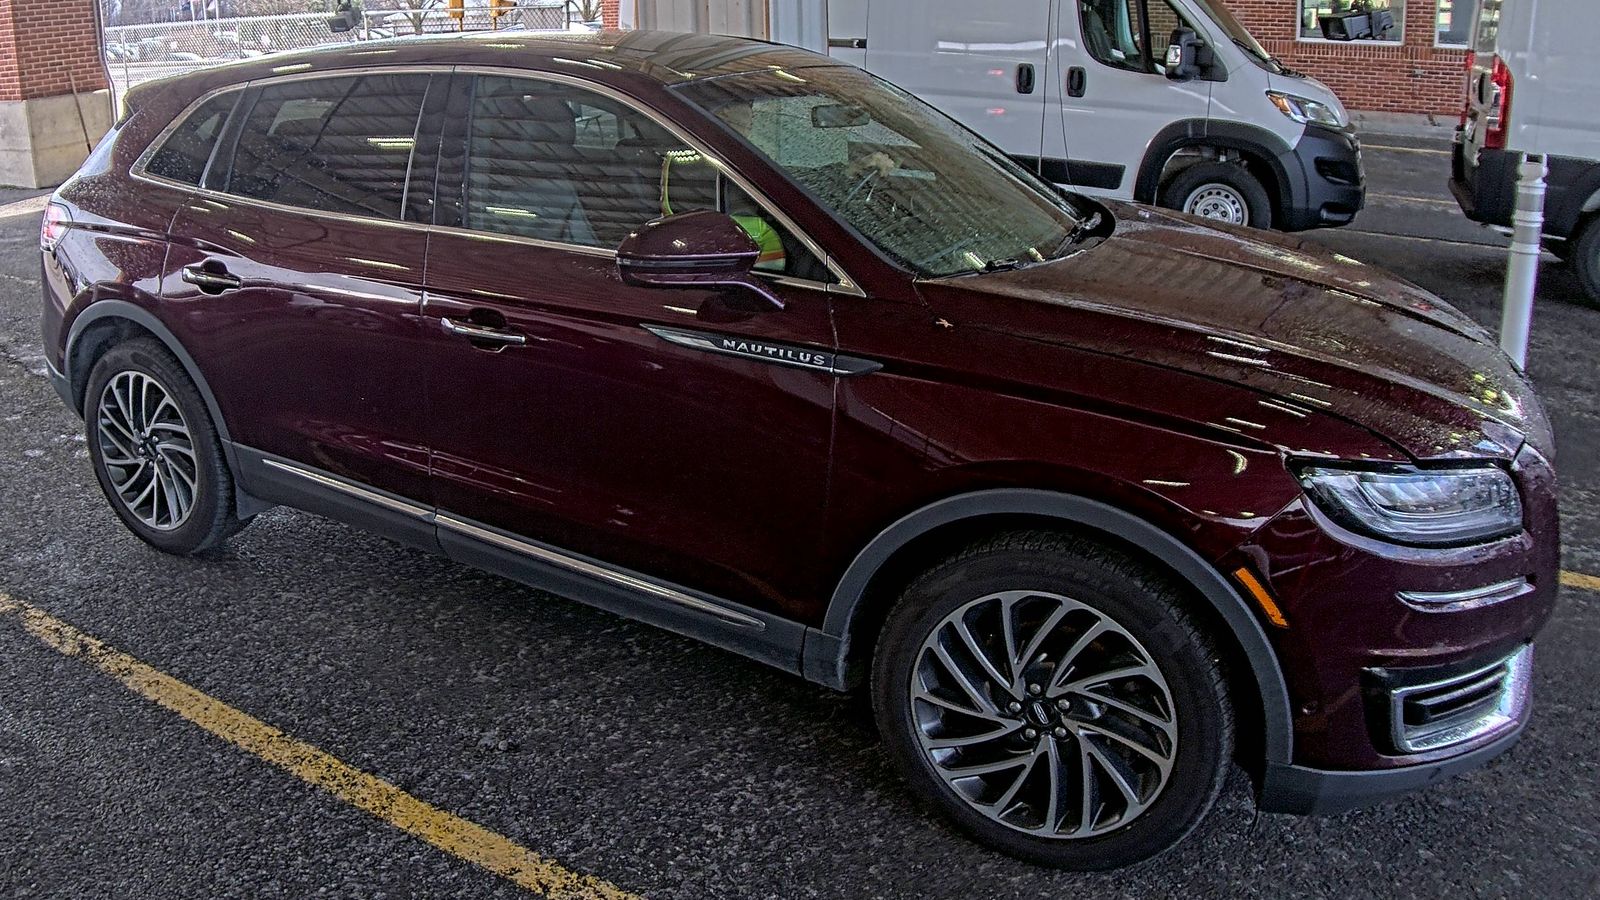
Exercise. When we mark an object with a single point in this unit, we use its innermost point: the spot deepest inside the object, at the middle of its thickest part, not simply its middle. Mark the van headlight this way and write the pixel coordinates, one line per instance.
(1306, 111)
(1420, 507)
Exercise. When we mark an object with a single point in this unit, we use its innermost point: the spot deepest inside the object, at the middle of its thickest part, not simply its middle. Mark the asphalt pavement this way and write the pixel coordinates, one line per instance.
(611, 749)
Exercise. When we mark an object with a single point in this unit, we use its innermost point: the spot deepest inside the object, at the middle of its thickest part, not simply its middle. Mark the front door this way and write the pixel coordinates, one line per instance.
(1117, 96)
(296, 276)
(568, 408)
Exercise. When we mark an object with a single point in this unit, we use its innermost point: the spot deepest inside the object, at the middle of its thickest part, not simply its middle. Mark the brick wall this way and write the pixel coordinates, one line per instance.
(47, 47)
(1373, 76)
(610, 12)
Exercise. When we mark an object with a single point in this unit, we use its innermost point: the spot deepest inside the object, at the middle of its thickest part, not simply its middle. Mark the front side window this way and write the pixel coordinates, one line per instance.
(334, 145)
(927, 192)
(1312, 12)
(557, 163)
(184, 154)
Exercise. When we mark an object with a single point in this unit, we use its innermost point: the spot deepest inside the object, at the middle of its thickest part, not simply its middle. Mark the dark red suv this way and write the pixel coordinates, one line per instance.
(730, 338)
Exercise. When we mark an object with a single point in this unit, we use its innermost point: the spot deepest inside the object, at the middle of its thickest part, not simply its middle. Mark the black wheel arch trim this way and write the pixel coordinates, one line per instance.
(1252, 139)
(828, 654)
(74, 382)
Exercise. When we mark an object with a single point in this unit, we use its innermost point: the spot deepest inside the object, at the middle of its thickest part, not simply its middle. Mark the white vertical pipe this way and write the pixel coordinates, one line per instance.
(1522, 276)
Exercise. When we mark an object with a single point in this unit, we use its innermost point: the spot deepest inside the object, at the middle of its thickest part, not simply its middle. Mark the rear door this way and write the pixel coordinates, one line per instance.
(295, 275)
(561, 412)
(1117, 96)
(986, 64)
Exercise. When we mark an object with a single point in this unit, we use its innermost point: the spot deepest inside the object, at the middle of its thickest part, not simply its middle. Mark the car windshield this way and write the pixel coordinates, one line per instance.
(1241, 36)
(923, 189)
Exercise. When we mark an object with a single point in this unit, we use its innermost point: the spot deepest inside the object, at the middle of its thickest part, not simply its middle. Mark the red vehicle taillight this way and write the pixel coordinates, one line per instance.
(1498, 126)
(53, 226)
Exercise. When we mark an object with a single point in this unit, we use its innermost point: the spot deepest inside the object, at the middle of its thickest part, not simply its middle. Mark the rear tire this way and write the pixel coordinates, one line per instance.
(1223, 192)
(1149, 747)
(1585, 258)
(155, 450)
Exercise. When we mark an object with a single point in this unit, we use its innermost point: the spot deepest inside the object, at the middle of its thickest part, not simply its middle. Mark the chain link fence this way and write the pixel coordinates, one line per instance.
(138, 53)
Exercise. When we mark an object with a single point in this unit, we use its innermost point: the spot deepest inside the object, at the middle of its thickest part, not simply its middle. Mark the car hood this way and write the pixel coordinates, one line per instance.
(1318, 332)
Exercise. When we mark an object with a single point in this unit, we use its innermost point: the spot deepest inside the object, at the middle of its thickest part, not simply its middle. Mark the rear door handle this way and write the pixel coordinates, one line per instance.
(1025, 78)
(211, 281)
(1077, 81)
(482, 333)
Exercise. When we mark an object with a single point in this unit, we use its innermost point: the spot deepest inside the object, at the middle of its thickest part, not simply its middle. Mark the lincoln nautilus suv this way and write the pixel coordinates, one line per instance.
(1093, 500)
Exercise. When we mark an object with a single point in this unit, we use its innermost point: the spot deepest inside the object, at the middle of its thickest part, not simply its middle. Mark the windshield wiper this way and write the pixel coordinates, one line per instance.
(1079, 231)
(1002, 265)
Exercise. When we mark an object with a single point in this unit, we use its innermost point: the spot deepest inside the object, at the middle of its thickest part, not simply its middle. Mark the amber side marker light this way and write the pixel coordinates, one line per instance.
(1263, 599)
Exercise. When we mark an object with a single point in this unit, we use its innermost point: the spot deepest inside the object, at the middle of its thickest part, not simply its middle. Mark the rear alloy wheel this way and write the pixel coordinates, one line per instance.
(155, 452)
(1222, 192)
(1052, 697)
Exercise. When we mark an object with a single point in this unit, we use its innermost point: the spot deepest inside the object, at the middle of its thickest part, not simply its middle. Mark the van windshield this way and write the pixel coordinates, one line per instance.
(1241, 36)
(926, 191)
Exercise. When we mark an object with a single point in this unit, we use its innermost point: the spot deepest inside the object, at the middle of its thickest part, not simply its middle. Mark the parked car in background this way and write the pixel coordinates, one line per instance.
(1083, 93)
(1533, 75)
(1094, 499)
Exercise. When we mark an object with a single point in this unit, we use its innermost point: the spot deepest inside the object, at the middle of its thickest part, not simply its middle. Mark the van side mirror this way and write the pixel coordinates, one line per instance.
(1188, 57)
(699, 249)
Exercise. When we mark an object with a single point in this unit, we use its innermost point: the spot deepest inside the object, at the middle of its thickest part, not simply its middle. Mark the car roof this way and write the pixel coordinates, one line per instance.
(661, 56)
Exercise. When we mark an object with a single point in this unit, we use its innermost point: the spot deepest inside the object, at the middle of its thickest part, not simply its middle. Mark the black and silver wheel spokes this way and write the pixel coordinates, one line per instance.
(1044, 714)
(147, 450)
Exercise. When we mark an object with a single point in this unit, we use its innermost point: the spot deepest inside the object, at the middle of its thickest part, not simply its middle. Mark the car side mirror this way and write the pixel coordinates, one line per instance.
(699, 249)
(1188, 57)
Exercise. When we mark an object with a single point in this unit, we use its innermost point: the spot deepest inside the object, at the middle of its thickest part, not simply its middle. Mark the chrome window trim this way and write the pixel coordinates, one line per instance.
(844, 285)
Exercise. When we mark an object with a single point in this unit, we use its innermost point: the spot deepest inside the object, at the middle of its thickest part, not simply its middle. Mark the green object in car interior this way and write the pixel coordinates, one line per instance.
(760, 230)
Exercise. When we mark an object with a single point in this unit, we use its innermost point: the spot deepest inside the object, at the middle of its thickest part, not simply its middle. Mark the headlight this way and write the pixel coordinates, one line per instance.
(1307, 111)
(1429, 508)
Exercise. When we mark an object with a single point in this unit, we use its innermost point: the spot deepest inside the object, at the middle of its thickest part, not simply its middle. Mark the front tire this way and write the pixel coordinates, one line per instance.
(1222, 192)
(155, 450)
(1052, 696)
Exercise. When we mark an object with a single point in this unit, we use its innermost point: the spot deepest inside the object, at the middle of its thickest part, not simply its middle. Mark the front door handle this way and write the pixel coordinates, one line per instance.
(1025, 78)
(211, 281)
(482, 333)
(1077, 81)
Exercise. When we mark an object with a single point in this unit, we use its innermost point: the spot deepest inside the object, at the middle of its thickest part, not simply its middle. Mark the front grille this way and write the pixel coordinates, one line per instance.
(1442, 712)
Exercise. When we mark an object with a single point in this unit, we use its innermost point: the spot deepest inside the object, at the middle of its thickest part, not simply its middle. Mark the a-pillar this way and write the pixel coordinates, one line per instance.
(54, 100)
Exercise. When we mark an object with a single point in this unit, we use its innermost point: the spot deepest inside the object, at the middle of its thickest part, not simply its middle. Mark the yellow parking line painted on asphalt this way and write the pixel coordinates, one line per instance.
(1407, 198)
(24, 206)
(1385, 147)
(450, 833)
(1580, 581)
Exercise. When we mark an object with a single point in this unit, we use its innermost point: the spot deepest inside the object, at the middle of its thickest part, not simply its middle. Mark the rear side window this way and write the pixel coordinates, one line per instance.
(335, 145)
(184, 154)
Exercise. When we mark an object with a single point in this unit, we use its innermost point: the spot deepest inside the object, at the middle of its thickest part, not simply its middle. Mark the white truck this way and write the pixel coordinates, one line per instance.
(1531, 90)
(1160, 101)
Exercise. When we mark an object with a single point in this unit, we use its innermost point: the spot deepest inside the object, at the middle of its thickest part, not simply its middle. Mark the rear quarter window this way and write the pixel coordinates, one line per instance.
(185, 151)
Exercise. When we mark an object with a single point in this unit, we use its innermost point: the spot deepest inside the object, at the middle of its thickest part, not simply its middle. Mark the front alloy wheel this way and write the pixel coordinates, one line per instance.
(1044, 714)
(1056, 697)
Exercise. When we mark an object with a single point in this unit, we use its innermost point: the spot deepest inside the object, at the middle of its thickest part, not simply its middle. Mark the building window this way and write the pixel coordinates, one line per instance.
(1313, 11)
(1454, 22)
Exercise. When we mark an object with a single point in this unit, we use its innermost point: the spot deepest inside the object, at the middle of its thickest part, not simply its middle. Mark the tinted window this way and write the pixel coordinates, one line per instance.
(1114, 31)
(562, 164)
(338, 144)
(925, 190)
(183, 157)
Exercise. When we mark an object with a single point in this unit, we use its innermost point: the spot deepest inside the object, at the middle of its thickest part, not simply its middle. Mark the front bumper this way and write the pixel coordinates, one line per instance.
(1326, 180)
(1307, 791)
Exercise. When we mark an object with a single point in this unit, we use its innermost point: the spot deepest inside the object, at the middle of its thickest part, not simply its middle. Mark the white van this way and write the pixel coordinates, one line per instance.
(1532, 88)
(1083, 91)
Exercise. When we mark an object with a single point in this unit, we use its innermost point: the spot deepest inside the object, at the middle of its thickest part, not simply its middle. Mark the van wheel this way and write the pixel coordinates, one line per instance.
(1221, 191)
(1585, 258)
(155, 451)
(1052, 696)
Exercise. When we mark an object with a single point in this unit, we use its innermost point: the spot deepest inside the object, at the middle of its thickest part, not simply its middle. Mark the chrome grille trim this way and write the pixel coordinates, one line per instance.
(1513, 675)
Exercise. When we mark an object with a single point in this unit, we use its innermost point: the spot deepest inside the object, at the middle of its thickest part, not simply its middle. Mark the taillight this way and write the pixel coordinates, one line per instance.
(53, 226)
(1498, 126)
